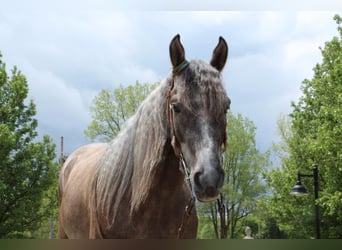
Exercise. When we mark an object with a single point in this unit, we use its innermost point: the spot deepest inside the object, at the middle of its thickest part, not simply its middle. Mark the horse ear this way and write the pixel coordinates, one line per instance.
(177, 54)
(220, 55)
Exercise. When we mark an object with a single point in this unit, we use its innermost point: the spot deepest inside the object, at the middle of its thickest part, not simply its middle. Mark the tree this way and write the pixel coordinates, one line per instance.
(317, 125)
(243, 165)
(110, 109)
(315, 137)
(27, 167)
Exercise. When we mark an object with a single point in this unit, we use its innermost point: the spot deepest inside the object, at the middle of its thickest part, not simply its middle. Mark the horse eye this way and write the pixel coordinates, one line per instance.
(175, 108)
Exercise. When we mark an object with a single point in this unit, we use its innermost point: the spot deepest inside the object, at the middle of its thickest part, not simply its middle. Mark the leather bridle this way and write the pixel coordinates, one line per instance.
(178, 153)
(170, 117)
(174, 142)
(177, 147)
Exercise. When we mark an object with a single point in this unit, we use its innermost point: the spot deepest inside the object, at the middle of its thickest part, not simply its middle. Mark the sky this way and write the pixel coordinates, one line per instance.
(70, 50)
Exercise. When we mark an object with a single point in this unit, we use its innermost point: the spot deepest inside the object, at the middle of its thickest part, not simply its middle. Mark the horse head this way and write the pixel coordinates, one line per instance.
(197, 107)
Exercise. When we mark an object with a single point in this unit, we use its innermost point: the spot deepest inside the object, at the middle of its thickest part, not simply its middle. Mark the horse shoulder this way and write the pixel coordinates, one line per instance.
(76, 177)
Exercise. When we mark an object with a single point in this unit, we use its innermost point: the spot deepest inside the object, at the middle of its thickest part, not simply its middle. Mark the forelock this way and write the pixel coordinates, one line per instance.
(202, 87)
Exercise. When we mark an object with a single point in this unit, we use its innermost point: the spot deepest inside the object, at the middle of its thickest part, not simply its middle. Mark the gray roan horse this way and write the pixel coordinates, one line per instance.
(135, 186)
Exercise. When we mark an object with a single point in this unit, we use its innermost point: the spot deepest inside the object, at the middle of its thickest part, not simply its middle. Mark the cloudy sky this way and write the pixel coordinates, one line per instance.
(70, 50)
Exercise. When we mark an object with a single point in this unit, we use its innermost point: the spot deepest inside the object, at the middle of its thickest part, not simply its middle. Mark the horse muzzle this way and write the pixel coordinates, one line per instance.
(207, 183)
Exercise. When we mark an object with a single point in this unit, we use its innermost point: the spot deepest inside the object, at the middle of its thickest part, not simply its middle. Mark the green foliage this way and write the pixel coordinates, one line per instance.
(110, 109)
(315, 137)
(243, 165)
(27, 168)
(205, 225)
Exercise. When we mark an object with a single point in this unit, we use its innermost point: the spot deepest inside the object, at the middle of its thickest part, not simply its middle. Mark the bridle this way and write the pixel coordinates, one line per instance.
(170, 117)
(170, 113)
(175, 144)
(182, 163)
(177, 148)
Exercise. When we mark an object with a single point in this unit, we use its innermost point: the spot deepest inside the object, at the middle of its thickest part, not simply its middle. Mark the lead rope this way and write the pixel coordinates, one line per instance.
(186, 215)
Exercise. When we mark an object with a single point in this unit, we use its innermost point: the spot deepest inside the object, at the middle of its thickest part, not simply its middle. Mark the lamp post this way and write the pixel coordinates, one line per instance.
(300, 190)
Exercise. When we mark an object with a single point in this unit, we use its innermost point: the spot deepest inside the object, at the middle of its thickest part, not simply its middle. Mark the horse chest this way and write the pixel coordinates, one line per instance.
(164, 221)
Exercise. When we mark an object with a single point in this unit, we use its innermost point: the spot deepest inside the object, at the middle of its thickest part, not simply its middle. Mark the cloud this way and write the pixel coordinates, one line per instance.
(263, 81)
(210, 18)
(62, 109)
(136, 72)
(69, 51)
(228, 5)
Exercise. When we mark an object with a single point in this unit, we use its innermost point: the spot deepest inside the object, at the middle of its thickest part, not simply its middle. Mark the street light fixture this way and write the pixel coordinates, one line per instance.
(300, 190)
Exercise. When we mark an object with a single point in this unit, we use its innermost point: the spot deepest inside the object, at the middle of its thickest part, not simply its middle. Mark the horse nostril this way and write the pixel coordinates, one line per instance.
(197, 179)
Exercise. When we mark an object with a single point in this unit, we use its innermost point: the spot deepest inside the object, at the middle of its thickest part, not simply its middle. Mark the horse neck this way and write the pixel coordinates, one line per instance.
(152, 146)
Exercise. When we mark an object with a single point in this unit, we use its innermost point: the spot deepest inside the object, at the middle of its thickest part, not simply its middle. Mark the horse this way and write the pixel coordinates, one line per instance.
(134, 186)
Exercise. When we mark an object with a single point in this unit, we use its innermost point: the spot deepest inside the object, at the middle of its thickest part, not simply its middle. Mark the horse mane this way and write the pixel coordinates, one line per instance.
(132, 158)
(130, 161)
